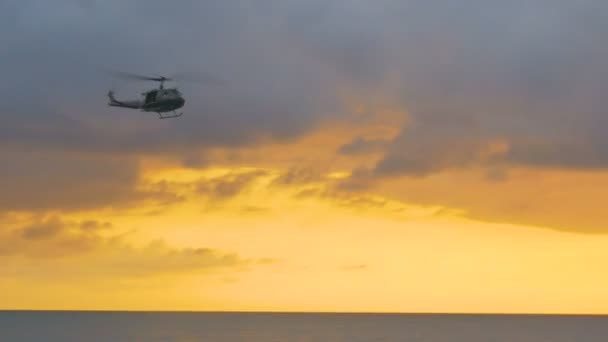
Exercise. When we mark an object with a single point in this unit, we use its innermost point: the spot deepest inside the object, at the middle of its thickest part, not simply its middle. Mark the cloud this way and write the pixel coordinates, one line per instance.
(158, 257)
(92, 248)
(474, 72)
(42, 230)
(483, 70)
(50, 237)
(92, 225)
(56, 52)
(51, 180)
(363, 146)
(298, 175)
(485, 85)
(230, 185)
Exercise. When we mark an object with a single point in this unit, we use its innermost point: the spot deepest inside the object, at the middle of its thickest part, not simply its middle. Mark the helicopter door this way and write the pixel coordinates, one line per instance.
(150, 97)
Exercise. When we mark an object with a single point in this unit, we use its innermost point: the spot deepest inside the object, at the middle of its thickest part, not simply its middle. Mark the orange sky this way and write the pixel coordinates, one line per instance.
(273, 230)
(389, 156)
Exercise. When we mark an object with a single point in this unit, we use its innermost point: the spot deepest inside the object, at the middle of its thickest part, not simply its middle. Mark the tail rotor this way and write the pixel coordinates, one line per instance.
(111, 96)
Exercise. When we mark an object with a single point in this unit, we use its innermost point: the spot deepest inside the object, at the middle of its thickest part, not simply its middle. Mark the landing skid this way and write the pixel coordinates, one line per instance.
(175, 115)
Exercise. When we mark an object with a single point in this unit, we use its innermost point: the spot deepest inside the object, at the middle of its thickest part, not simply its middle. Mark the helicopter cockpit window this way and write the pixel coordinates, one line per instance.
(151, 96)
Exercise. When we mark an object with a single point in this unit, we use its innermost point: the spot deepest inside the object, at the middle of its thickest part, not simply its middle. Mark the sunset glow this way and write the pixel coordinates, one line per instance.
(360, 159)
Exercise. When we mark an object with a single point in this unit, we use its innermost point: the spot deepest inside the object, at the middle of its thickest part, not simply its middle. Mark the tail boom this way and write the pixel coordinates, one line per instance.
(125, 104)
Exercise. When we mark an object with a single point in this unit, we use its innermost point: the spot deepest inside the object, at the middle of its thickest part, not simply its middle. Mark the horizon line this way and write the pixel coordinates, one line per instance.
(307, 312)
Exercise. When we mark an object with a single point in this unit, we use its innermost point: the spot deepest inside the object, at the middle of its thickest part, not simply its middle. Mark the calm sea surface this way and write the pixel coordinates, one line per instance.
(119, 326)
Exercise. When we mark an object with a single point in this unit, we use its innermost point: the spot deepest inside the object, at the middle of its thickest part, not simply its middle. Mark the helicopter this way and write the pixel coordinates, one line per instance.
(160, 100)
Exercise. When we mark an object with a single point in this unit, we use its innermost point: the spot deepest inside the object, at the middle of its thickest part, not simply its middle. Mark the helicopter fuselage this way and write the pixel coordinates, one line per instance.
(162, 100)
(156, 100)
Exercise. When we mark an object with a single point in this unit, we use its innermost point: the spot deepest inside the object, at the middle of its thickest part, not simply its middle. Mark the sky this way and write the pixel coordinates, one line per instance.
(385, 156)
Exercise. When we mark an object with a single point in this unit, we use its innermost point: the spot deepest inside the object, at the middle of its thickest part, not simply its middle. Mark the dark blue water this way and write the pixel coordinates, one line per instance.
(123, 326)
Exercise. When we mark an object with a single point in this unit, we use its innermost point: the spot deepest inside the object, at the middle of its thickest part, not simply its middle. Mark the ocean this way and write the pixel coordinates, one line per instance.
(253, 327)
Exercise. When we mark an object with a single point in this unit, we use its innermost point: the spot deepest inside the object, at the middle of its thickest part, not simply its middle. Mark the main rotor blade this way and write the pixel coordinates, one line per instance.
(198, 77)
(193, 76)
(131, 76)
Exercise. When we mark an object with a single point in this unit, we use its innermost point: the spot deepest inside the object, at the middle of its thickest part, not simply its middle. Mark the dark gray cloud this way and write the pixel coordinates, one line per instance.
(48, 180)
(55, 55)
(532, 73)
